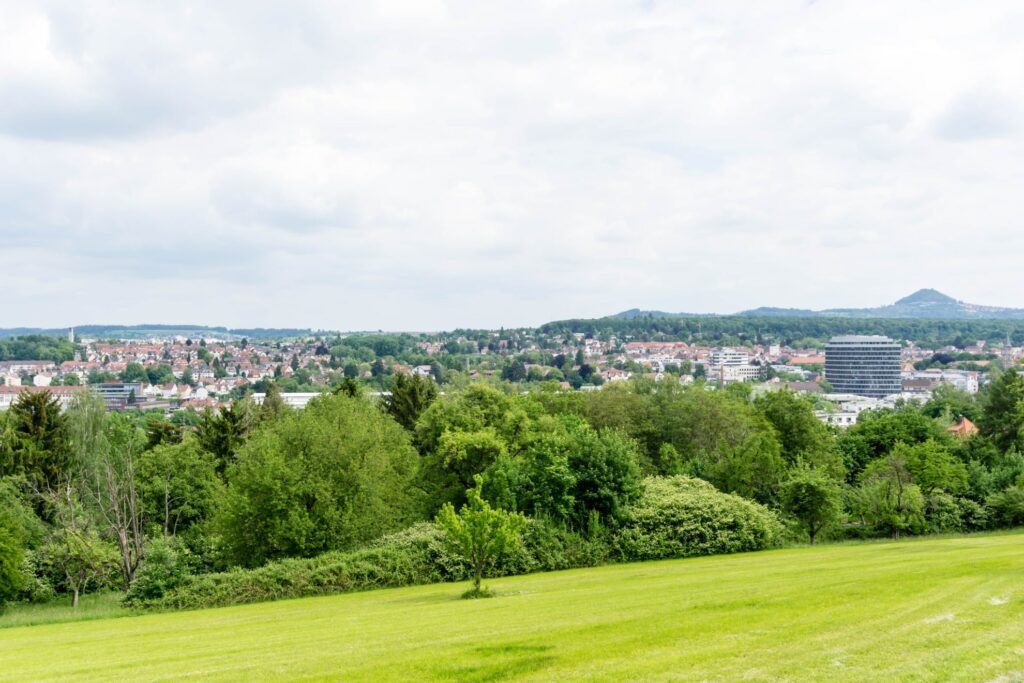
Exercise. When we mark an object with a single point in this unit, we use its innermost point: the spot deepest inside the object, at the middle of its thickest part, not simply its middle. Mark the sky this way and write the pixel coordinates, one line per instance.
(426, 165)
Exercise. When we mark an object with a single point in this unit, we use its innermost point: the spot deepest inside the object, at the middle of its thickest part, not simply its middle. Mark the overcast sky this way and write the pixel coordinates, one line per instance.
(427, 165)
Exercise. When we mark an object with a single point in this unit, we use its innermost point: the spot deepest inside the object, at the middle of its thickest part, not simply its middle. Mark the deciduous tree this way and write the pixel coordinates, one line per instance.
(479, 533)
(888, 498)
(814, 499)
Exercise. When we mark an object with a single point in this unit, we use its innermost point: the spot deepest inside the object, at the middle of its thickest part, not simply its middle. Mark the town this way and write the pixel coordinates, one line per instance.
(179, 373)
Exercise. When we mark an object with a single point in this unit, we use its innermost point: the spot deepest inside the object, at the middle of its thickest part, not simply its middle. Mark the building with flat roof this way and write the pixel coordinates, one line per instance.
(863, 365)
(728, 357)
(118, 395)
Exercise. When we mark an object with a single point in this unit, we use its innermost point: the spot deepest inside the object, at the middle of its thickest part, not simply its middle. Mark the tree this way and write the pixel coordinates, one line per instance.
(179, 486)
(802, 436)
(349, 387)
(515, 371)
(12, 551)
(669, 461)
(409, 397)
(753, 468)
(351, 370)
(106, 452)
(466, 454)
(479, 533)
(273, 405)
(223, 433)
(35, 441)
(878, 431)
(377, 371)
(608, 479)
(539, 481)
(933, 467)
(74, 546)
(462, 433)
(888, 498)
(949, 403)
(134, 372)
(1003, 410)
(814, 499)
(161, 431)
(329, 477)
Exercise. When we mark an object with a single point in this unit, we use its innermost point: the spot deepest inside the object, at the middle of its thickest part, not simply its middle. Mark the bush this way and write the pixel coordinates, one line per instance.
(974, 516)
(46, 564)
(676, 517)
(164, 569)
(19, 530)
(38, 587)
(1008, 506)
(547, 546)
(684, 517)
(943, 513)
(12, 553)
(414, 556)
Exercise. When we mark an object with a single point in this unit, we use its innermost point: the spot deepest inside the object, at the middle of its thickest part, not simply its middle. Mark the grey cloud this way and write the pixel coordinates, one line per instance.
(421, 165)
(978, 115)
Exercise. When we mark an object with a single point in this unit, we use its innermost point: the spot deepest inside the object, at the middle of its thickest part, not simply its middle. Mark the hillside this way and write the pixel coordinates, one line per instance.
(932, 609)
(925, 304)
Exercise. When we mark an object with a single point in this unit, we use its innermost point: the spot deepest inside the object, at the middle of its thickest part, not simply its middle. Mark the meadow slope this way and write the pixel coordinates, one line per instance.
(936, 609)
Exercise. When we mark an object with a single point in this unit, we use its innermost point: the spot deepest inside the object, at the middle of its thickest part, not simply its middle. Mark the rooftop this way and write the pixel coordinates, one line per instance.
(861, 339)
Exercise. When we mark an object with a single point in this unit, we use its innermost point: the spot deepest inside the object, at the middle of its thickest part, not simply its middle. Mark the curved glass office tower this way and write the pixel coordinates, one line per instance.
(863, 365)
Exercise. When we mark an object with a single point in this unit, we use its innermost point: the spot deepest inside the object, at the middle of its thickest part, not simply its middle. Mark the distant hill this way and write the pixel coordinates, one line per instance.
(147, 331)
(929, 304)
(637, 313)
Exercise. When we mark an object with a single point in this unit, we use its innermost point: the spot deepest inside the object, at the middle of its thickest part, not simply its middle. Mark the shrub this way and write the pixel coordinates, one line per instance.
(19, 530)
(413, 556)
(943, 513)
(164, 569)
(1008, 506)
(947, 514)
(551, 547)
(975, 516)
(683, 517)
(416, 555)
(38, 587)
(675, 517)
(12, 552)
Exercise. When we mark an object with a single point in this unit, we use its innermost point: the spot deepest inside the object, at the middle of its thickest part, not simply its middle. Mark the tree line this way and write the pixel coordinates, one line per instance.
(92, 500)
(736, 329)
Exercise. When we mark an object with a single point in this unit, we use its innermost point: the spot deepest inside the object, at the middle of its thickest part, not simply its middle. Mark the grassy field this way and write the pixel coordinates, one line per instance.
(91, 606)
(937, 609)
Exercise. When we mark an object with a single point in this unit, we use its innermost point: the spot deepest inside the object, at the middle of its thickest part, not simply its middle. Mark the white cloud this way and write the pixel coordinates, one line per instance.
(413, 165)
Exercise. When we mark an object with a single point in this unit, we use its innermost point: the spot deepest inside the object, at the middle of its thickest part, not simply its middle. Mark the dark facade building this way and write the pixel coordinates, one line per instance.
(863, 365)
(118, 395)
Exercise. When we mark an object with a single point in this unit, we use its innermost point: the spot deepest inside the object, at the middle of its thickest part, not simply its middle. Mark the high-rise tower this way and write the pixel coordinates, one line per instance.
(863, 365)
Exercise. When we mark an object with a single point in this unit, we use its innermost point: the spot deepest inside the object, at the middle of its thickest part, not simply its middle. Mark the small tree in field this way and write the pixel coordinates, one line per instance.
(814, 499)
(479, 533)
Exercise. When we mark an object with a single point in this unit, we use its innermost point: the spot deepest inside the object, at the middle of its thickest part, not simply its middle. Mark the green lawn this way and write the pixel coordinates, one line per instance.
(91, 606)
(936, 609)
